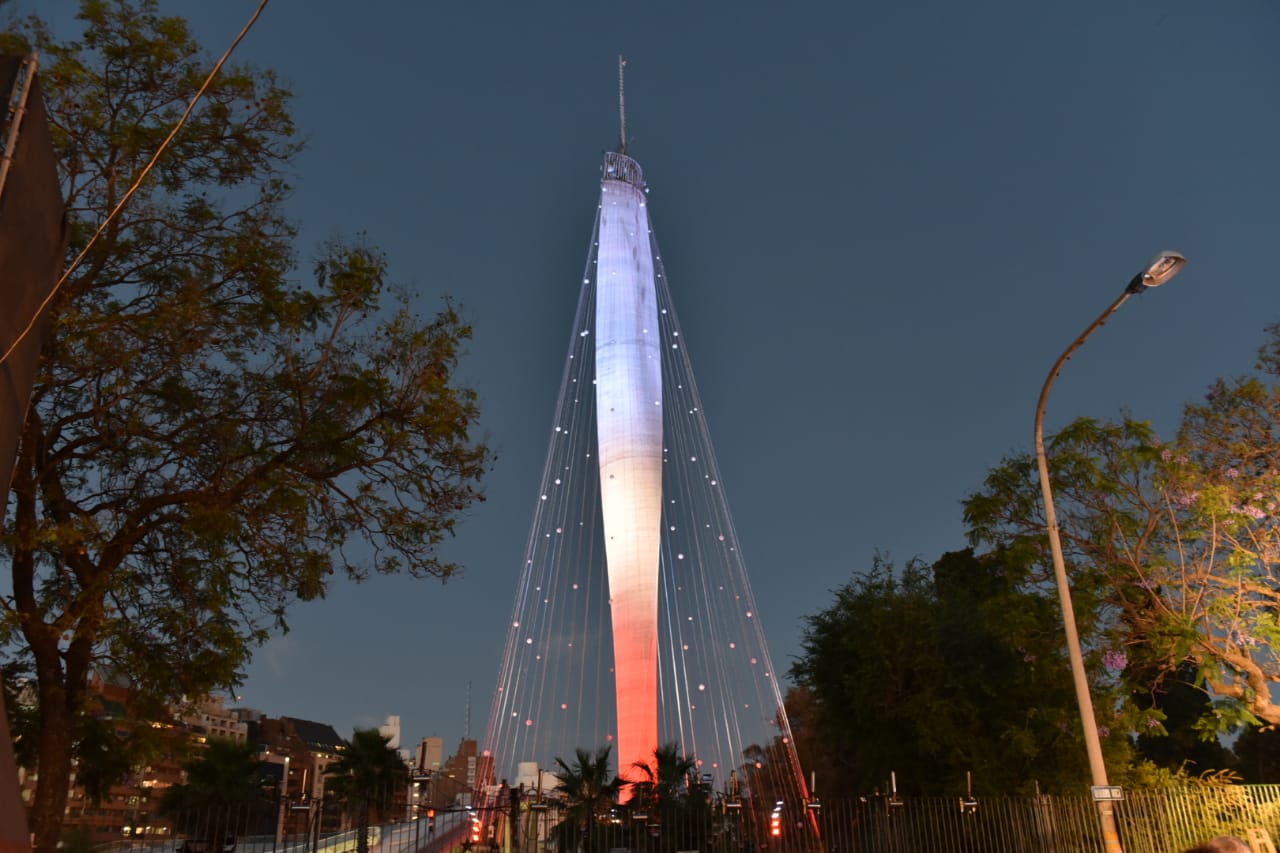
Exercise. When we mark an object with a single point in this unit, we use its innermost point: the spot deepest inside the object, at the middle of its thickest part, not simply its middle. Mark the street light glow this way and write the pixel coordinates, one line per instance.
(1162, 268)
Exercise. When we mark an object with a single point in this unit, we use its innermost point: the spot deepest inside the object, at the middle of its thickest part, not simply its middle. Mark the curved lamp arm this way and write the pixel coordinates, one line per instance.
(1165, 266)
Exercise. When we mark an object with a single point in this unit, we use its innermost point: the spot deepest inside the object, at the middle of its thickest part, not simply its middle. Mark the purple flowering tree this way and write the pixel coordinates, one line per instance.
(1173, 548)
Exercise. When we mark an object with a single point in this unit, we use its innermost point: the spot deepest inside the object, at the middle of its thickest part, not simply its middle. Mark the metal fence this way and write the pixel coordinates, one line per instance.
(1149, 822)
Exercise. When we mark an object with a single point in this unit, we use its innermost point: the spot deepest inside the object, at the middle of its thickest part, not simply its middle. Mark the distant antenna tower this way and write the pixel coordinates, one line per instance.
(466, 731)
(622, 110)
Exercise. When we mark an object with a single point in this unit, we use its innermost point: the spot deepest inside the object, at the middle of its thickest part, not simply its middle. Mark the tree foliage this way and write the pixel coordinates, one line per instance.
(826, 767)
(210, 438)
(1176, 744)
(366, 777)
(1173, 547)
(109, 741)
(663, 782)
(667, 789)
(1257, 755)
(589, 790)
(929, 673)
(224, 792)
(772, 771)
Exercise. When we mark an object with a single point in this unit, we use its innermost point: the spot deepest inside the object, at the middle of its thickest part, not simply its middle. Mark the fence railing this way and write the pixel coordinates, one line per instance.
(1149, 822)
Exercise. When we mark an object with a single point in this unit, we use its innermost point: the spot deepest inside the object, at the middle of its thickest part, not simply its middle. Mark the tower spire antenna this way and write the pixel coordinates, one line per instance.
(622, 109)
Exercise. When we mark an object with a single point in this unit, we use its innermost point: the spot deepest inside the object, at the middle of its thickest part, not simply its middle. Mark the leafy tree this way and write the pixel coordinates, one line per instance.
(764, 770)
(932, 672)
(769, 776)
(589, 790)
(1257, 755)
(666, 789)
(366, 776)
(1173, 547)
(224, 792)
(771, 771)
(107, 750)
(665, 780)
(108, 743)
(826, 767)
(1170, 734)
(23, 715)
(209, 440)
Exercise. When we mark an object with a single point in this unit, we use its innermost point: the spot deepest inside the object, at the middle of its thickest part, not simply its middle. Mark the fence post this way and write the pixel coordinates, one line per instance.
(1260, 840)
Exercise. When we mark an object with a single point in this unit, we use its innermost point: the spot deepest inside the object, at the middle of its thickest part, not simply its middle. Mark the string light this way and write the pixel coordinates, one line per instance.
(706, 612)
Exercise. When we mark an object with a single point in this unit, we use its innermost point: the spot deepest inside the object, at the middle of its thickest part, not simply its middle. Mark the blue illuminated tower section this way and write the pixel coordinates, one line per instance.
(629, 437)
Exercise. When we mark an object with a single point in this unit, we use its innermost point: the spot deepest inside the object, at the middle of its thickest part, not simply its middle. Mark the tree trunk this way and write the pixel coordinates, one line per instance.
(54, 768)
(57, 694)
(362, 841)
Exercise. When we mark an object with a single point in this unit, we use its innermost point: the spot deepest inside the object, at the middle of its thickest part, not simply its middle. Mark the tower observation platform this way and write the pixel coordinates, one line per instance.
(620, 167)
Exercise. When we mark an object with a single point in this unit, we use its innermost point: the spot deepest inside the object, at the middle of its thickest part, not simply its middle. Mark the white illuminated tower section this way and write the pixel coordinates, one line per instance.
(634, 626)
(629, 433)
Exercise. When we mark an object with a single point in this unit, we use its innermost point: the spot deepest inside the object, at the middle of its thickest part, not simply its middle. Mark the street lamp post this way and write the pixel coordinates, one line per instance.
(420, 780)
(284, 802)
(1165, 266)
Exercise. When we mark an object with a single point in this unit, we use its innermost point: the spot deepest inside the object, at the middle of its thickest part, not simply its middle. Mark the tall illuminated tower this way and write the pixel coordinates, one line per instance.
(629, 437)
(634, 624)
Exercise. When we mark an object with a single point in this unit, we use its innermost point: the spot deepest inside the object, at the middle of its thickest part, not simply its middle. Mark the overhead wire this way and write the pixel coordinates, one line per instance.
(134, 187)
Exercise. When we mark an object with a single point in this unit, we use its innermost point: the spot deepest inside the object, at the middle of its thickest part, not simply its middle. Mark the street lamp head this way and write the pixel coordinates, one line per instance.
(1164, 267)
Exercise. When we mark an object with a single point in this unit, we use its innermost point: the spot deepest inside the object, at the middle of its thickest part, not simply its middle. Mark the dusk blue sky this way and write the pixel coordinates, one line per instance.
(882, 222)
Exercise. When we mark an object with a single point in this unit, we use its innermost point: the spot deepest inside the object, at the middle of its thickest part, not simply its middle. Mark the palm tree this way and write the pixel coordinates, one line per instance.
(589, 792)
(664, 782)
(367, 776)
(223, 794)
(668, 791)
